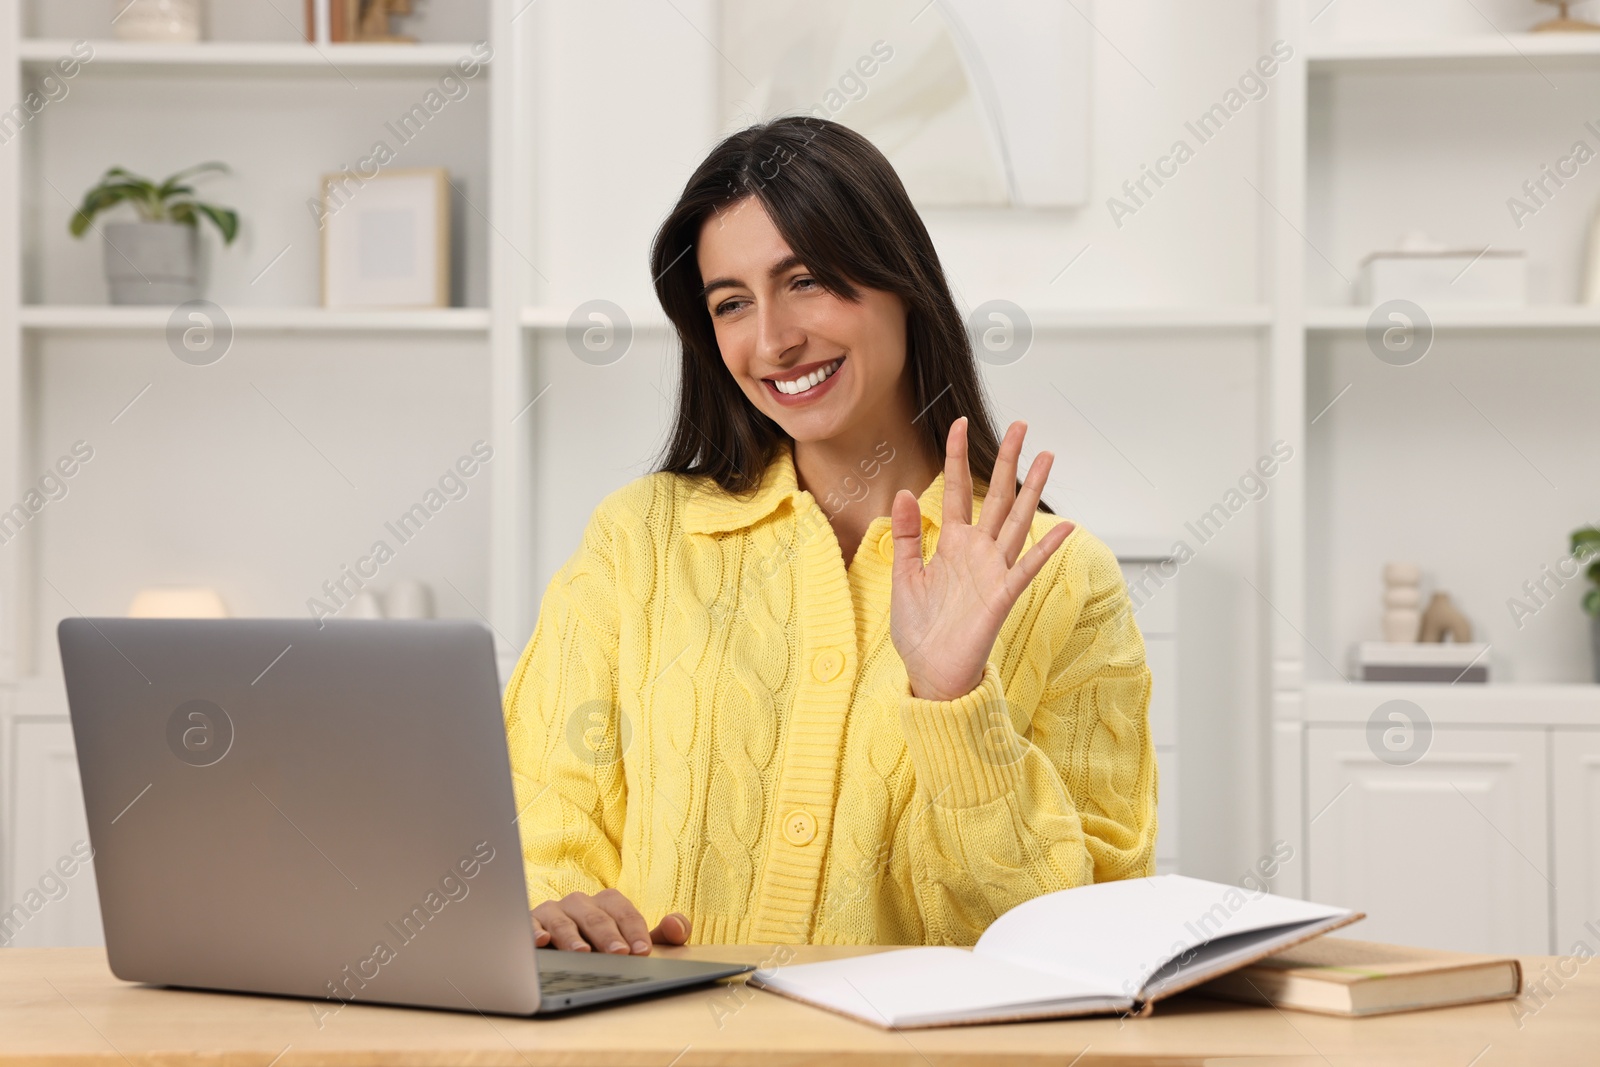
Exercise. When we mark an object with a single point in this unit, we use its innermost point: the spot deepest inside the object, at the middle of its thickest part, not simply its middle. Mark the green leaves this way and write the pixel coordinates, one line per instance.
(171, 186)
(1586, 544)
(189, 212)
(172, 200)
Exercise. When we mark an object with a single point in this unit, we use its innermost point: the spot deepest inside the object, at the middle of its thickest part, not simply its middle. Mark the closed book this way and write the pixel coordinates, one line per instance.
(1339, 976)
(1103, 948)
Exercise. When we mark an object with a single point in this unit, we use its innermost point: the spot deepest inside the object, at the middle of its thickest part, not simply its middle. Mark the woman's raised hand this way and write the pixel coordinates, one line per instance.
(605, 921)
(944, 616)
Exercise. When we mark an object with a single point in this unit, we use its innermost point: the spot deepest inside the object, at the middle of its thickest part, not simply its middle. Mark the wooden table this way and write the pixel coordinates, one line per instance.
(62, 1006)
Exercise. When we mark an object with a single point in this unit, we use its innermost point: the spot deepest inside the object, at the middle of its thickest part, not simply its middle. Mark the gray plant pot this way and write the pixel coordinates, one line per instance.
(152, 262)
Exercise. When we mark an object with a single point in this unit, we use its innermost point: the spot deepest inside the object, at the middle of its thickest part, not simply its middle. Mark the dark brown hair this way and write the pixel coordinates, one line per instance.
(842, 209)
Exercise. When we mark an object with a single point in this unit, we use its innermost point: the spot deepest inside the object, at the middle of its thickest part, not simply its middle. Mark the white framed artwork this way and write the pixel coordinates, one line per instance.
(975, 102)
(386, 239)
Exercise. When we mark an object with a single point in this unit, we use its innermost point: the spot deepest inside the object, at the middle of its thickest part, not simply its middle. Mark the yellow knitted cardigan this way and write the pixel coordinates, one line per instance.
(712, 718)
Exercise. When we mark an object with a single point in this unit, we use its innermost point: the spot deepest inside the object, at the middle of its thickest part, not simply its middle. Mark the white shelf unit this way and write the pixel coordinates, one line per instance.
(1467, 52)
(239, 441)
(71, 318)
(1062, 319)
(1533, 320)
(1354, 130)
(219, 57)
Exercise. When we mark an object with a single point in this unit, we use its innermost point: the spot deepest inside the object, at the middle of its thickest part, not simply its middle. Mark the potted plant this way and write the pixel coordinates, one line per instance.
(1586, 546)
(154, 260)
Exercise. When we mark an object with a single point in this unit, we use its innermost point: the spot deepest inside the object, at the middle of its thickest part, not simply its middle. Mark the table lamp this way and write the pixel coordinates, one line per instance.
(177, 602)
(1564, 23)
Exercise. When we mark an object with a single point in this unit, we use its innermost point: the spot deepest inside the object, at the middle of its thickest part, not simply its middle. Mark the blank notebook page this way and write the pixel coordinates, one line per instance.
(1120, 933)
(916, 982)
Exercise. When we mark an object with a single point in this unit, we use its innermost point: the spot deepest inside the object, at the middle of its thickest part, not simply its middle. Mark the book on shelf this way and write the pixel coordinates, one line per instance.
(1111, 947)
(1339, 976)
(1417, 661)
(332, 21)
(319, 26)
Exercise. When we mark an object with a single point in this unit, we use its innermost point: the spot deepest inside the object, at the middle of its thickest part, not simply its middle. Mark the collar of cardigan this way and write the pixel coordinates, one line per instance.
(712, 509)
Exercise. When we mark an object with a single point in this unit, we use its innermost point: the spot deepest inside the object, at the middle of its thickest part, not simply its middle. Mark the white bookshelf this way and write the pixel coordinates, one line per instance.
(1062, 319)
(1489, 704)
(68, 318)
(215, 58)
(1465, 52)
(1246, 318)
(1534, 319)
(300, 379)
(1373, 137)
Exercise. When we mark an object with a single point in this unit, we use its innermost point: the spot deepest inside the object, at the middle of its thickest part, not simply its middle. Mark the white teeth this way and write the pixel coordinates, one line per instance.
(809, 381)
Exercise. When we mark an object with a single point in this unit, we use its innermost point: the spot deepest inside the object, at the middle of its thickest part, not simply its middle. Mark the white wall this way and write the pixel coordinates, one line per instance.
(238, 476)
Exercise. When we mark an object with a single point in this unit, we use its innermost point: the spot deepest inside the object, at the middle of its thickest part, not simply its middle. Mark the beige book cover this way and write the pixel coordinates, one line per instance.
(1341, 976)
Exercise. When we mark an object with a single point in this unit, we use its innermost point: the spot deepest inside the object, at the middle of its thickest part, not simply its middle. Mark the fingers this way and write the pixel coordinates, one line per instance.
(957, 476)
(673, 930)
(630, 924)
(606, 921)
(562, 930)
(905, 523)
(1003, 485)
(1014, 534)
(597, 925)
(1034, 560)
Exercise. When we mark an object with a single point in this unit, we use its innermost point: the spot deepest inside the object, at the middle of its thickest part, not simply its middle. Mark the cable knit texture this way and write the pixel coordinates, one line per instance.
(712, 718)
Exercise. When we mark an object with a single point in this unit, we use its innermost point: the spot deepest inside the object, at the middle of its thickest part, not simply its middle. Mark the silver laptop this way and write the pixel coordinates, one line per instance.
(278, 806)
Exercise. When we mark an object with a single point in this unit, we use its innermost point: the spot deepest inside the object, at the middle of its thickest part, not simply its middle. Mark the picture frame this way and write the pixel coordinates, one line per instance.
(386, 239)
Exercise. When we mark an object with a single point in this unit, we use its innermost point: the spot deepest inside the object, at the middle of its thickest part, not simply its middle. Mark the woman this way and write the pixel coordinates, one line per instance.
(795, 686)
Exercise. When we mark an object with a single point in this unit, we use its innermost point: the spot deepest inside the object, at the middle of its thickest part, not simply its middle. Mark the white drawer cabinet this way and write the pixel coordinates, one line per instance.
(44, 906)
(1451, 851)
(1156, 603)
(1161, 653)
(1575, 776)
(1167, 813)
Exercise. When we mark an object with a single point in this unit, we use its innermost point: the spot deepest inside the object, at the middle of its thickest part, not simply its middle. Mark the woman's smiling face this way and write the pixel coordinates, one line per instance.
(817, 364)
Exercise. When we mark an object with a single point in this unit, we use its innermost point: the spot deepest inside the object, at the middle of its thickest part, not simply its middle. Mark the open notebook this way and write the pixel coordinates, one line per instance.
(1110, 947)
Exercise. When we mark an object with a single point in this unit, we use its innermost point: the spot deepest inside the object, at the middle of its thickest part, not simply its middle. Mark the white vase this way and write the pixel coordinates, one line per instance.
(156, 20)
(364, 605)
(409, 599)
(152, 263)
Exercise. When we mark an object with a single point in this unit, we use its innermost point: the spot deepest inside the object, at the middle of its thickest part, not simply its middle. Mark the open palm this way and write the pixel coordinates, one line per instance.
(944, 615)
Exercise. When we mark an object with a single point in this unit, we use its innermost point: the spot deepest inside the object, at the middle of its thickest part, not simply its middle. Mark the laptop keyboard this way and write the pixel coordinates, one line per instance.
(559, 981)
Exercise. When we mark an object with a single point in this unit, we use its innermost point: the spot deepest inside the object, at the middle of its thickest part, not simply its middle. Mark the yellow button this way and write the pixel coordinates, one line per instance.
(799, 827)
(827, 665)
(886, 547)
